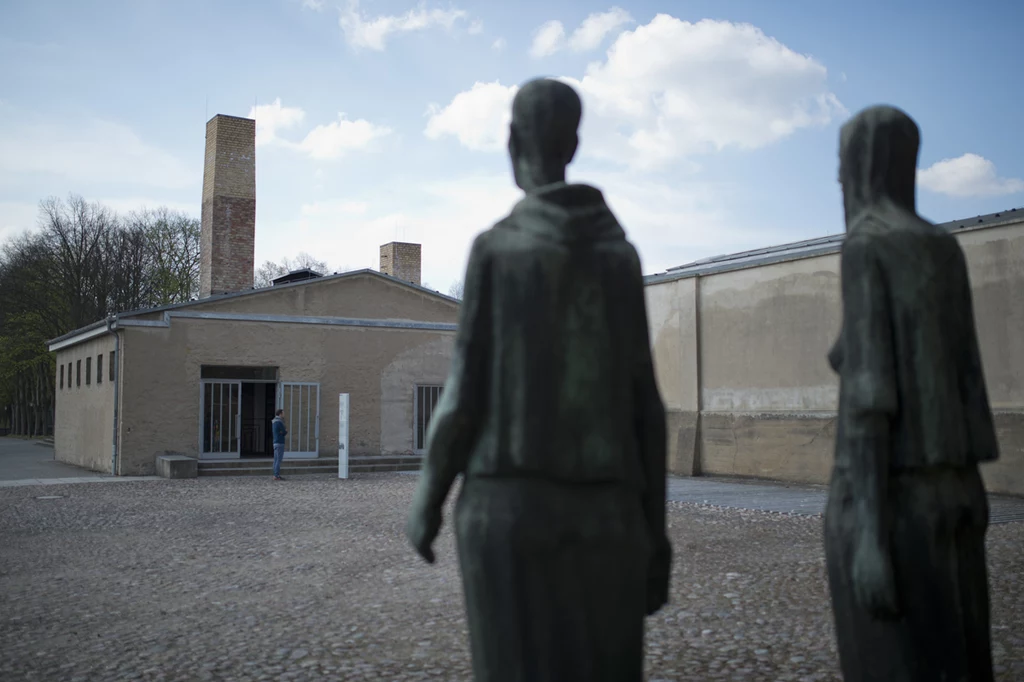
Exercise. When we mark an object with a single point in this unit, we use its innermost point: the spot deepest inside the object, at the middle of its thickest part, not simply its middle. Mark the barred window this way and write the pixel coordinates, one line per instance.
(425, 403)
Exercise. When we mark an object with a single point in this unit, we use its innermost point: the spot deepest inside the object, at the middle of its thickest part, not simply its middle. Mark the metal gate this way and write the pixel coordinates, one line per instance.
(221, 419)
(301, 404)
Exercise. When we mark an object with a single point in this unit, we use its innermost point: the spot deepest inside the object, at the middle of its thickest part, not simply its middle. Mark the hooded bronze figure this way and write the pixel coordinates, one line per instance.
(907, 511)
(552, 414)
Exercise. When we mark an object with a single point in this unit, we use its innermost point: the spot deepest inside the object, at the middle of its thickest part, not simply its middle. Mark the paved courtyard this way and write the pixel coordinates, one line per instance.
(311, 579)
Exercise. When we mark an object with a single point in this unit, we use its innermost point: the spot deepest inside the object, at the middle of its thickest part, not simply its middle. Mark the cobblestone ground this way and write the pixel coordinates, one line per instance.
(310, 579)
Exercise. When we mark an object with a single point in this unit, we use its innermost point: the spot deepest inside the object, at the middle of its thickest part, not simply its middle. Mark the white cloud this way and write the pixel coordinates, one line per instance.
(969, 175)
(499, 44)
(478, 117)
(334, 140)
(361, 32)
(671, 224)
(671, 89)
(476, 27)
(315, 5)
(273, 117)
(596, 26)
(94, 152)
(547, 39)
(443, 216)
(332, 208)
(329, 141)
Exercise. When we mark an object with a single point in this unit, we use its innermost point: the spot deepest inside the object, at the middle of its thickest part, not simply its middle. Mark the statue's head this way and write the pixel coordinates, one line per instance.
(543, 134)
(878, 158)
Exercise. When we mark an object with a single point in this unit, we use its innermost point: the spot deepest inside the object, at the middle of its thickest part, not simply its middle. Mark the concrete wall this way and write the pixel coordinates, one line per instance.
(741, 362)
(83, 432)
(672, 316)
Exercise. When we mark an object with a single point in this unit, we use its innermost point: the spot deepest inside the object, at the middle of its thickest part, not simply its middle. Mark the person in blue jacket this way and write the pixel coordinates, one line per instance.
(279, 433)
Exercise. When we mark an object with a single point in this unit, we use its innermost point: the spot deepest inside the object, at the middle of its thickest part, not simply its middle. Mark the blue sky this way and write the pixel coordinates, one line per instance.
(711, 126)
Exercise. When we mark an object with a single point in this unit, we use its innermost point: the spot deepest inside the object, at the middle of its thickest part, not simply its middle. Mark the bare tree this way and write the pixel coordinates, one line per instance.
(172, 240)
(455, 290)
(269, 271)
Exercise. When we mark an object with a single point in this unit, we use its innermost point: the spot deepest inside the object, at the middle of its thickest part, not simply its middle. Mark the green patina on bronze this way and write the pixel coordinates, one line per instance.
(907, 513)
(552, 414)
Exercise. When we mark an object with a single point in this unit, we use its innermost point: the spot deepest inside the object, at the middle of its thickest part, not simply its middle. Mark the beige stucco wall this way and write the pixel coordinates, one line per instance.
(161, 404)
(361, 296)
(83, 432)
(425, 364)
(767, 394)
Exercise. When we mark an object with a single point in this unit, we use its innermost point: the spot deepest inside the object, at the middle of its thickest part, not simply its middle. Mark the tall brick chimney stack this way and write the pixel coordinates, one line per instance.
(401, 260)
(228, 235)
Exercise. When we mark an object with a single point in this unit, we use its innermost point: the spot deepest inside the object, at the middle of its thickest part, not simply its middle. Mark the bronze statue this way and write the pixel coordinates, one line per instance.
(552, 414)
(907, 511)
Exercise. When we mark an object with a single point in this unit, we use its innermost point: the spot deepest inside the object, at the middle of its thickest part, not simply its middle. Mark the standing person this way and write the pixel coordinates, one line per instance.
(279, 433)
(907, 513)
(552, 413)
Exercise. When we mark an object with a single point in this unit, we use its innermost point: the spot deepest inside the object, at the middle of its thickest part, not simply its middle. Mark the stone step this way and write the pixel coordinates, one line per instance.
(262, 462)
(369, 464)
(262, 466)
(266, 471)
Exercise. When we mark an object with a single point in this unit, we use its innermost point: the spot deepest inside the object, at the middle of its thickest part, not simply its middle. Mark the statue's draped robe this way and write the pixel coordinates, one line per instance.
(908, 359)
(552, 413)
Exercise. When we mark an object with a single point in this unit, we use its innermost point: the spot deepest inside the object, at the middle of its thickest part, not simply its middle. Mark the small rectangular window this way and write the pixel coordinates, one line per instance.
(78, 373)
(69, 375)
(62, 375)
(111, 377)
(88, 370)
(426, 401)
(99, 368)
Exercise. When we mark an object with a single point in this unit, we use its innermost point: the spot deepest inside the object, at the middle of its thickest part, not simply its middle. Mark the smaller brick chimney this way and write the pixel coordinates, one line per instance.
(401, 260)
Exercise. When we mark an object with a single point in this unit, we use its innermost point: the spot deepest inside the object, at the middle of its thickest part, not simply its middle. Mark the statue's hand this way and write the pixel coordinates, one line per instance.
(873, 583)
(421, 528)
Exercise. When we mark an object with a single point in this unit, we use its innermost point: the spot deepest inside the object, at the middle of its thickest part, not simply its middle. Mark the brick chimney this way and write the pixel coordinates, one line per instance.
(228, 235)
(401, 260)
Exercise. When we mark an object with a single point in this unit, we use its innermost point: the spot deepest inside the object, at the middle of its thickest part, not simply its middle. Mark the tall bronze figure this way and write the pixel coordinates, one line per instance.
(907, 512)
(552, 414)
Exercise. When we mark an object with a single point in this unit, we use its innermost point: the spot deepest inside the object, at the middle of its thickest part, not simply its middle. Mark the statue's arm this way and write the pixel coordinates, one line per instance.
(868, 383)
(650, 429)
(456, 421)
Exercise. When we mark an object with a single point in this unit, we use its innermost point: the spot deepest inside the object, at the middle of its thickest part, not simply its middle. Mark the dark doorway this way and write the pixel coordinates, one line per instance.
(258, 400)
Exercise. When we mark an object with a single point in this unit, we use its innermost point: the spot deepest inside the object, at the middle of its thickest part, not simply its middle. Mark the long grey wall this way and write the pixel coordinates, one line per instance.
(741, 360)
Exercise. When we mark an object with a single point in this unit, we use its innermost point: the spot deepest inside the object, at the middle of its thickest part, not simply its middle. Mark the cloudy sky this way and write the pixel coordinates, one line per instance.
(710, 125)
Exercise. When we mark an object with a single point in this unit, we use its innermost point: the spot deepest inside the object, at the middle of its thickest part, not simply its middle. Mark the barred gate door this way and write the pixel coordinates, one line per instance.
(301, 404)
(221, 419)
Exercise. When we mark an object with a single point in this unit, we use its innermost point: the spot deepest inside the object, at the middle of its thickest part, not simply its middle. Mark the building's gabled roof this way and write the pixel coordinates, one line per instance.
(251, 292)
(807, 249)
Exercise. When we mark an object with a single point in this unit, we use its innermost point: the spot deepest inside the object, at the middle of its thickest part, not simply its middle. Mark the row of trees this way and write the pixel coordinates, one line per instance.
(82, 263)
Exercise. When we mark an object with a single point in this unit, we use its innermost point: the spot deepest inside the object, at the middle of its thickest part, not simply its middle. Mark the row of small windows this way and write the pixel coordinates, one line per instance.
(76, 378)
